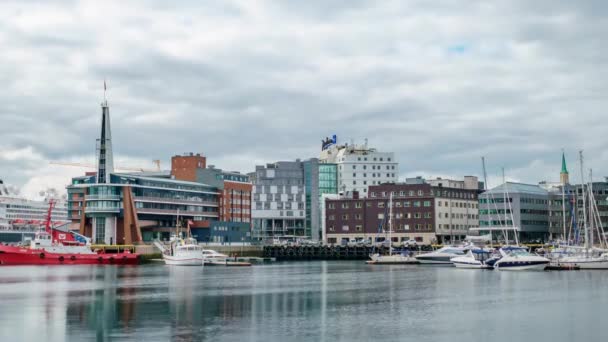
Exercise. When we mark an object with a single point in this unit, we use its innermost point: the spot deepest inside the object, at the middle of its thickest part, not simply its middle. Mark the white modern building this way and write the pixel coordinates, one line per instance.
(360, 166)
(278, 209)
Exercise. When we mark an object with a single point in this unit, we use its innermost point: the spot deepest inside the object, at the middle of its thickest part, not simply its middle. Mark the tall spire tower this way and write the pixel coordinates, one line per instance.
(105, 158)
(563, 175)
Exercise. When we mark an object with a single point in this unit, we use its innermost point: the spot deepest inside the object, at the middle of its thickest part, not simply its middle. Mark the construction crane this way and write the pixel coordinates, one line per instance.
(91, 166)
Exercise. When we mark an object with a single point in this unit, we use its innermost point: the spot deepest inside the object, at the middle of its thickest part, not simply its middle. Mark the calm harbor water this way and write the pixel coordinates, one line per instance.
(307, 301)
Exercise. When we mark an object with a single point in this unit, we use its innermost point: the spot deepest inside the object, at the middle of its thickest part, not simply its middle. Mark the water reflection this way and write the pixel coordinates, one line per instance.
(324, 301)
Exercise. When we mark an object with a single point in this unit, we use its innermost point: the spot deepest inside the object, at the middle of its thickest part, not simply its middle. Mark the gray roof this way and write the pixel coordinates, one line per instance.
(512, 187)
(161, 179)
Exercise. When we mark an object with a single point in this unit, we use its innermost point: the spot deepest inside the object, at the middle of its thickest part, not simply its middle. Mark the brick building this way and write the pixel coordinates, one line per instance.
(421, 211)
(185, 167)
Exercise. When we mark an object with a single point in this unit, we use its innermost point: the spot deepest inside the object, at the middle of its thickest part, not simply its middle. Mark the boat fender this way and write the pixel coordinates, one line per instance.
(100, 259)
(72, 258)
(111, 260)
(41, 255)
(61, 258)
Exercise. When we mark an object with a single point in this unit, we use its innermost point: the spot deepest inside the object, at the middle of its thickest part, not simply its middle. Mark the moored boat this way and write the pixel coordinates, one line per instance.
(475, 258)
(517, 258)
(442, 256)
(54, 247)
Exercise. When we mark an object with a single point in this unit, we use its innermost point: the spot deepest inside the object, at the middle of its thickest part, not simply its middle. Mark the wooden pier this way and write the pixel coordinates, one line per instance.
(285, 253)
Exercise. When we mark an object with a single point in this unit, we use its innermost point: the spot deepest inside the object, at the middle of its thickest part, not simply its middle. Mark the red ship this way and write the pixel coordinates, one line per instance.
(55, 247)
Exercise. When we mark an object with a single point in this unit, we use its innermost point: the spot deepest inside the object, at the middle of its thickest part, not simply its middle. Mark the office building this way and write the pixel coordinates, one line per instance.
(423, 212)
(287, 198)
(359, 166)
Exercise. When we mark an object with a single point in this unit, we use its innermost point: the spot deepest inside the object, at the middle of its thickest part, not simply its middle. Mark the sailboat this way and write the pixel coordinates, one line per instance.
(586, 257)
(182, 251)
(391, 259)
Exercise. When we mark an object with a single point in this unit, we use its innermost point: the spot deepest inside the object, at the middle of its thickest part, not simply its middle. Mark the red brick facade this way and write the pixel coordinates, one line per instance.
(184, 167)
(236, 202)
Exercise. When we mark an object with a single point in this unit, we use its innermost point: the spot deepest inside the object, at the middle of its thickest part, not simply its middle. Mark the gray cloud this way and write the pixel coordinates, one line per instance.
(439, 83)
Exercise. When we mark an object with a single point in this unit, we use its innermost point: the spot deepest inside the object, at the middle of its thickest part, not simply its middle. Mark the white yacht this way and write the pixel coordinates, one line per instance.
(592, 259)
(517, 258)
(391, 259)
(210, 256)
(182, 251)
(394, 259)
(475, 258)
(442, 256)
(213, 258)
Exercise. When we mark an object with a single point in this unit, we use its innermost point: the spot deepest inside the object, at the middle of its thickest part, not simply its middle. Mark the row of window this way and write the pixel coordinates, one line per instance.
(396, 227)
(411, 193)
(459, 216)
(458, 204)
(406, 204)
(375, 167)
(455, 226)
(374, 175)
(416, 215)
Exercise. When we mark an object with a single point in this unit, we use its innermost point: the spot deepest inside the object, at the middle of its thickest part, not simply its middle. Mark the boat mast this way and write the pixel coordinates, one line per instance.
(390, 224)
(585, 227)
(504, 202)
(510, 209)
(177, 226)
(564, 210)
(485, 186)
(591, 200)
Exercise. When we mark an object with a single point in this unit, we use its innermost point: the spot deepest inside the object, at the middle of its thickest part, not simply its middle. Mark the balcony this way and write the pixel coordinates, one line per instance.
(102, 198)
(153, 211)
(174, 200)
(93, 210)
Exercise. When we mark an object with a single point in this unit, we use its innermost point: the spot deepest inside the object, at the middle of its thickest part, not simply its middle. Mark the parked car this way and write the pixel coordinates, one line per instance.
(410, 243)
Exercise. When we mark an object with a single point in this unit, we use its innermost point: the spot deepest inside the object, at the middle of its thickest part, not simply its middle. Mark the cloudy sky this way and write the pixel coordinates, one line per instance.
(440, 83)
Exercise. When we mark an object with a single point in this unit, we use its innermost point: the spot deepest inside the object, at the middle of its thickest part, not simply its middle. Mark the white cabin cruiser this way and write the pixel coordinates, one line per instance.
(476, 258)
(441, 256)
(184, 252)
(517, 258)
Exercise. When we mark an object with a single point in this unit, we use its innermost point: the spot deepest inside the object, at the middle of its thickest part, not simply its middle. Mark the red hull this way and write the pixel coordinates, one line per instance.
(25, 256)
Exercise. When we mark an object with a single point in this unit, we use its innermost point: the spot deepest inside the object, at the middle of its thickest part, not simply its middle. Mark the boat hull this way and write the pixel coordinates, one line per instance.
(471, 265)
(586, 264)
(521, 266)
(25, 256)
(435, 260)
(181, 261)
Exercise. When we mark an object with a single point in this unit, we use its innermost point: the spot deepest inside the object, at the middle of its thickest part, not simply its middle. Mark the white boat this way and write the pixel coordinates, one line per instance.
(210, 256)
(475, 258)
(213, 258)
(517, 258)
(585, 262)
(587, 256)
(182, 252)
(391, 259)
(442, 256)
(572, 257)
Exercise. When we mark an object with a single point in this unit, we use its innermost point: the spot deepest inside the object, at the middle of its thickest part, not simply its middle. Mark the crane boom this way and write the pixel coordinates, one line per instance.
(91, 166)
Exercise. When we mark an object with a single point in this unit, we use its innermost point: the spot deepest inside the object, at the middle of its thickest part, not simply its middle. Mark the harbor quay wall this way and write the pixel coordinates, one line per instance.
(299, 253)
(231, 250)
